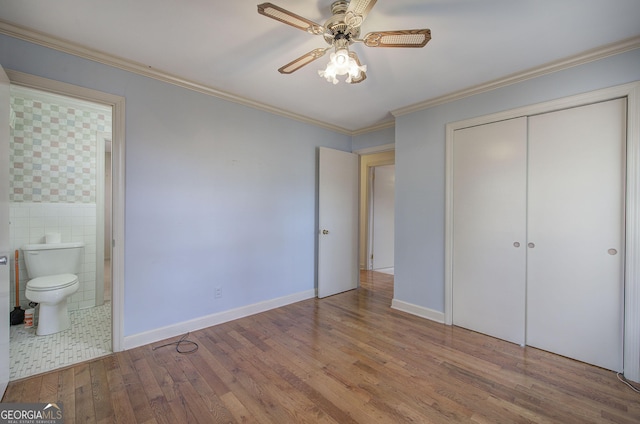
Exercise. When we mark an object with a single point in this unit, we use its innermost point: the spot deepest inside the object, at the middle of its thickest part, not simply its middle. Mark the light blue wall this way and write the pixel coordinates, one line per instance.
(217, 194)
(420, 166)
(373, 139)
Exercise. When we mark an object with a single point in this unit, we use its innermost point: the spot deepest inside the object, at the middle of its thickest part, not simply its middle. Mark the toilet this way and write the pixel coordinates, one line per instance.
(52, 269)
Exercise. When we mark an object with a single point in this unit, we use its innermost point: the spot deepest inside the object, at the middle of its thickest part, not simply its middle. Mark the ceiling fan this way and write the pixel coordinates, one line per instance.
(340, 31)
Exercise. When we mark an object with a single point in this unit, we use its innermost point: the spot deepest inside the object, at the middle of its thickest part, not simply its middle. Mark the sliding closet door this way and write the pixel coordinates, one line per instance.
(575, 276)
(489, 201)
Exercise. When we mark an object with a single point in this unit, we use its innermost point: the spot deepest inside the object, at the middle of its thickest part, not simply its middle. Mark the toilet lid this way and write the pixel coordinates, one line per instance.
(52, 282)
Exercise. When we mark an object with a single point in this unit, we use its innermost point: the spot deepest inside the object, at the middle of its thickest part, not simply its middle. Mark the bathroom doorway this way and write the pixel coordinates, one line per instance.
(58, 185)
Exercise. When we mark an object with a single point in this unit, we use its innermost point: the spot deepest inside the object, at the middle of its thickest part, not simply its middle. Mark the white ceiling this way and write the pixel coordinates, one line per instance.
(229, 47)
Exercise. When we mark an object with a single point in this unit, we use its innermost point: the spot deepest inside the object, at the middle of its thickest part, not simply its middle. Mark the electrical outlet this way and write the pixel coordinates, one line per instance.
(218, 292)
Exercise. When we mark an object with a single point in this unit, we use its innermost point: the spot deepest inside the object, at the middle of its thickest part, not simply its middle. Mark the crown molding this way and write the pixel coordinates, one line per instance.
(580, 59)
(79, 50)
(377, 127)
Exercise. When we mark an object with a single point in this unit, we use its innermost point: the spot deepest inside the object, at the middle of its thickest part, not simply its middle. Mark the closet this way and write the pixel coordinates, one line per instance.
(538, 231)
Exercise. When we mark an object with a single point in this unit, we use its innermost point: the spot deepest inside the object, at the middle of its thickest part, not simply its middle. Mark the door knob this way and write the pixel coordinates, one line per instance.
(325, 231)
(531, 245)
(612, 252)
(516, 244)
(3, 260)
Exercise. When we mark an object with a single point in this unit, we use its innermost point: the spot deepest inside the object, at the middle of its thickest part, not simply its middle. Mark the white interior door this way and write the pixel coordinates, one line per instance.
(489, 222)
(383, 218)
(5, 257)
(338, 222)
(575, 227)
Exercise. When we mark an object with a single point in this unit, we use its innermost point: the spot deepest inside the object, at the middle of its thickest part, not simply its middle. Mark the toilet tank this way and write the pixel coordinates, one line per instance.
(53, 258)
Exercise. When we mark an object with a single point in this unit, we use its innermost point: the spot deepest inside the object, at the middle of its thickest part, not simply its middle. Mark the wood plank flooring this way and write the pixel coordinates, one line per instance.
(348, 358)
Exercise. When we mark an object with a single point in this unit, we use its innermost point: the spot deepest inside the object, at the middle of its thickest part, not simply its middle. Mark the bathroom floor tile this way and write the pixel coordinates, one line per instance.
(89, 337)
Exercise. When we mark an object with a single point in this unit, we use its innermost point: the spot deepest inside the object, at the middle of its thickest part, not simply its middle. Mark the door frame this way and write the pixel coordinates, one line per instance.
(117, 104)
(5, 249)
(631, 92)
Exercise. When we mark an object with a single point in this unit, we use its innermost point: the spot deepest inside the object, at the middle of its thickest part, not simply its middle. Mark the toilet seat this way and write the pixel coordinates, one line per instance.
(52, 282)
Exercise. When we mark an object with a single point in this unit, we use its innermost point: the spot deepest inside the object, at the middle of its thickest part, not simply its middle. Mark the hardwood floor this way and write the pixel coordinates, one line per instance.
(348, 358)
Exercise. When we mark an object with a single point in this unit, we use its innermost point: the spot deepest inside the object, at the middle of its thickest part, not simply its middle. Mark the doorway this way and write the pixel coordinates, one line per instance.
(113, 107)
(381, 219)
(55, 173)
(368, 163)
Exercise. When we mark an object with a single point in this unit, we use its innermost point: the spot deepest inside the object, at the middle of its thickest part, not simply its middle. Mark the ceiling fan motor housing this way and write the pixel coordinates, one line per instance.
(339, 7)
(336, 28)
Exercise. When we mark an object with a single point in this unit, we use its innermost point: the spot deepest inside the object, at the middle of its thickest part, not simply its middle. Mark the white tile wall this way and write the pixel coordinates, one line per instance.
(75, 222)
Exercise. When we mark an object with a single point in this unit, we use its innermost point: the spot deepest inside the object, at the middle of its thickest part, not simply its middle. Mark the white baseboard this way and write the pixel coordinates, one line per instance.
(420, 311)
(174, 330)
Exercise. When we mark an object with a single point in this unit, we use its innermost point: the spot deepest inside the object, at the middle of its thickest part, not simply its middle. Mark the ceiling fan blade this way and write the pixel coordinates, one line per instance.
(303, 60)
(403, 38)
(358, 11)
(279, 14)
(363, 74)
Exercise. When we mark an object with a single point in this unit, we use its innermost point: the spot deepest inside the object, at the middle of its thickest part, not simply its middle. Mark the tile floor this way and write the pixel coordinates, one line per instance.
(89, 337)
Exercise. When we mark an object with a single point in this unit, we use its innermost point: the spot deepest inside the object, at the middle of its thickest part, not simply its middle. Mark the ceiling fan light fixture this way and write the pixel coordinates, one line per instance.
(341, 63)
(340, 31)
(340, 57)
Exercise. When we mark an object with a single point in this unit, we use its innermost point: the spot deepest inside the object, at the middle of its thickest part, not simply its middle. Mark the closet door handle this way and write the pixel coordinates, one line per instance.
(516, 244)
(531, 245)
